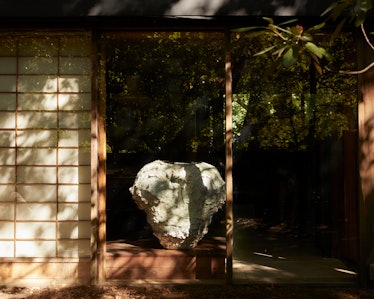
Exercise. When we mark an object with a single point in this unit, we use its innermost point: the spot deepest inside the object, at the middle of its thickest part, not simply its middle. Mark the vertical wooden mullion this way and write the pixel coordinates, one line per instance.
(16, 153)
(229, 162)
(58, 143)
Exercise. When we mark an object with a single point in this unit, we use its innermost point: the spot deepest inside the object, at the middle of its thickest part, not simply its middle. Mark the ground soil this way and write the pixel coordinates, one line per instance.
(186, 291)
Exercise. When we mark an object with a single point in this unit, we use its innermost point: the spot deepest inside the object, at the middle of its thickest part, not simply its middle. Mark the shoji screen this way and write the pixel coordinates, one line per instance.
(45, 102)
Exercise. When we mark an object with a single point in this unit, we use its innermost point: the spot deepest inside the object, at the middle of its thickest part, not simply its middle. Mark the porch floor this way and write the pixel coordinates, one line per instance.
(277, 256)
(283, 266)
(269, 256)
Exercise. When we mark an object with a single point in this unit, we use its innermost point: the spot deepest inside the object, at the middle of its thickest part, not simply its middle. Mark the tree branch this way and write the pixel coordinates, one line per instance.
(364, 69)
(366, 37)
(353, 72)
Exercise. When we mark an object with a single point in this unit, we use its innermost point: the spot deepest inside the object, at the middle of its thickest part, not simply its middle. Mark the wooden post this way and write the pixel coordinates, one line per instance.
(366, 165)
(229, 163)
(101, 247)
(94, 162)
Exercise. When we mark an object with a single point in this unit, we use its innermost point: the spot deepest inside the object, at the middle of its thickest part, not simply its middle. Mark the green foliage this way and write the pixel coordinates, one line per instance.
(158, 86)
(290, 43)
(347, 11)
(165, 91)
(291, 106)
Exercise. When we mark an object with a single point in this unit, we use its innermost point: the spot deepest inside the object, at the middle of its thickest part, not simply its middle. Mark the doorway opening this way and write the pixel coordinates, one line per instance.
(164, 101)
(295, 208)
(293, 147)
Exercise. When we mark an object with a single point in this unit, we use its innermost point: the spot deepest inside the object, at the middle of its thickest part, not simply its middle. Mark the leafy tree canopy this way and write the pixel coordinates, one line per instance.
(166, 90)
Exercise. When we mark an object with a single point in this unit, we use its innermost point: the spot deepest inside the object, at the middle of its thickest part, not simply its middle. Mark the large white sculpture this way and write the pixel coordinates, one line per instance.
(179, 200)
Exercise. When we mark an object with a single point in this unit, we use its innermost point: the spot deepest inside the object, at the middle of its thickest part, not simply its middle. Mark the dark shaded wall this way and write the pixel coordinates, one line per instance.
(82, 8)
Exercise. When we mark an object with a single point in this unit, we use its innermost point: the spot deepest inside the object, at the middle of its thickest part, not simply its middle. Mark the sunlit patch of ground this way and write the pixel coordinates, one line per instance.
(279, 254)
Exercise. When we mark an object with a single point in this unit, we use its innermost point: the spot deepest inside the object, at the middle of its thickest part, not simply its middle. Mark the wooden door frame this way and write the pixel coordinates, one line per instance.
(99, 165)
(99, 169)
(229, 162)
(98, 160)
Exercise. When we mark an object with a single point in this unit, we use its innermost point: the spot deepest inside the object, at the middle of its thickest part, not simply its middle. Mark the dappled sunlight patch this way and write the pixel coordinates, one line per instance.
(269, 255)
(45, 123)
(346, 271)
(257, 272)
(243, 222)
